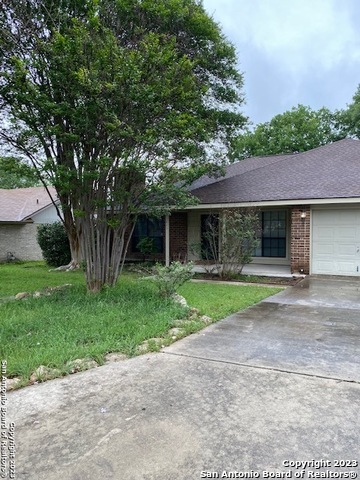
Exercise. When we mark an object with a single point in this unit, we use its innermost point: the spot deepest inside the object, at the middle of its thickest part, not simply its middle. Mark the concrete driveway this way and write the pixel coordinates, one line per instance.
(252, 396)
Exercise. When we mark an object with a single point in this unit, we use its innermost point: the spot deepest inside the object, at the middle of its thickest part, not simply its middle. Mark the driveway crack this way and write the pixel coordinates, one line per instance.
(263, 367)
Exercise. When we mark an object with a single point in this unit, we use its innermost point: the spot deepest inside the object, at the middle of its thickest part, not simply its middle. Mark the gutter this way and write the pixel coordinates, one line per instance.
(275, 203)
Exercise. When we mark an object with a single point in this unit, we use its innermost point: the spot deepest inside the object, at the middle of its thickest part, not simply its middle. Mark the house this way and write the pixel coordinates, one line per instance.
(21, 210)
(309, 205)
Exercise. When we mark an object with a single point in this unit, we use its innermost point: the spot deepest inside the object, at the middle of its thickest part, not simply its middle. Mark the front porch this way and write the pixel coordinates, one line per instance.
(284, 249)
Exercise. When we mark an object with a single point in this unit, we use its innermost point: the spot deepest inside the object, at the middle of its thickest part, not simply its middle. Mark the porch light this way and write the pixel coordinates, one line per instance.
(303, 214)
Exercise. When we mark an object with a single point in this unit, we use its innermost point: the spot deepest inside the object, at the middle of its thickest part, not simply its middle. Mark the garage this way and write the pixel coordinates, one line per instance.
(336, 241)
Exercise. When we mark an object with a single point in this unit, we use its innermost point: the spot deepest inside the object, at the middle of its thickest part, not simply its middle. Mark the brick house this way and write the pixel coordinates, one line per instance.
(309, 205)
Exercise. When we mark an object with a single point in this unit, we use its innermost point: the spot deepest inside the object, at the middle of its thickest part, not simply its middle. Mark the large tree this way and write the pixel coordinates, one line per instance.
(295, 130)
(349, 118)
(121, 103)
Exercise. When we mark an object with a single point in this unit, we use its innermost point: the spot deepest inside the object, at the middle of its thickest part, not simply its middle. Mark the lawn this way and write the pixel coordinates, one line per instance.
(69, 324)
(31, 276)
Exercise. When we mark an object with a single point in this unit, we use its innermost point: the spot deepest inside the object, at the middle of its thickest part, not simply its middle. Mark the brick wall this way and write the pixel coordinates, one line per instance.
(300, 240)
(20, 240)
(178, 236)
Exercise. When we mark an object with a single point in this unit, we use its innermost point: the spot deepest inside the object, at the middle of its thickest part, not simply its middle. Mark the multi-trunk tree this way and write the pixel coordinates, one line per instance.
(120, 103)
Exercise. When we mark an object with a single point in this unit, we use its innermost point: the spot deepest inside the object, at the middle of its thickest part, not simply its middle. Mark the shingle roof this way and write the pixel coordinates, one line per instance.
(330, 171)
(20, 204)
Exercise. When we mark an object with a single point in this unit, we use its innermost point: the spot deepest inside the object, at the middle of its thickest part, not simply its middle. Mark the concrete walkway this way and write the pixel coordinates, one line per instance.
(277, 383)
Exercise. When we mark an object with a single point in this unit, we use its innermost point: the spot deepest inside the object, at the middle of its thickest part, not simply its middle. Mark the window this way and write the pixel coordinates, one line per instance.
(273, 238)
(149, 227)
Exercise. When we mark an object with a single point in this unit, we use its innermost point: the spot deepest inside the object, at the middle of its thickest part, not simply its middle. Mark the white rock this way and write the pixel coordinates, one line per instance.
(44, 373)
(21, 295)
(81, 364)
(179, 299)
(11, 383)
(206, 319)
(115, 357)
(176, 331)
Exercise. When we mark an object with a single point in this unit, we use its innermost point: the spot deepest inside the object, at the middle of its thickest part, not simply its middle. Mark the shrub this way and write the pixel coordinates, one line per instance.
(230, 240)
(146, 246)
(54, 244)
(168, 279)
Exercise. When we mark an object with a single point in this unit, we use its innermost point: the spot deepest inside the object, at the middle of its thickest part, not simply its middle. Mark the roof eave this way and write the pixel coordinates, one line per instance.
(277, 203)
(15, 222)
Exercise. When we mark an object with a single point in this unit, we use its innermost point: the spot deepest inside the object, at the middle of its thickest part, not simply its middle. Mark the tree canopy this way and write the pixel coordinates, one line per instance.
(349, 118)
(295, 130)
(14, 173)
(121, 103)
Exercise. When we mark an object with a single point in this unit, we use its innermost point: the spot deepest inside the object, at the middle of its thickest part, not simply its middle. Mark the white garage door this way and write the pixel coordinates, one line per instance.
(336, 242)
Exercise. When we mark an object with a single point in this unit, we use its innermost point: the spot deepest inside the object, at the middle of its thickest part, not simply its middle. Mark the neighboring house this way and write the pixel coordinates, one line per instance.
(21, 210)
(309, 204)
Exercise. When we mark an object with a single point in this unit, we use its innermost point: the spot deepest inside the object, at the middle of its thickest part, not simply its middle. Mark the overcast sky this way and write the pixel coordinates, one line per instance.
(293, 51)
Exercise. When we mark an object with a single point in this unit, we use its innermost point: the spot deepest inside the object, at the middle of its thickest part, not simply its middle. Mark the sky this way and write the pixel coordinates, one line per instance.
(293, 52)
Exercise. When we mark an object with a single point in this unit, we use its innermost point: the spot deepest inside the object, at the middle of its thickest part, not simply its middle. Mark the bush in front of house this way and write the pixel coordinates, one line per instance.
(54, 244)
(169, 279)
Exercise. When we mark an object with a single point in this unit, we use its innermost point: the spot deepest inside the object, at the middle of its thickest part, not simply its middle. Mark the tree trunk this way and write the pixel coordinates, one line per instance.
(75, 251)
(104, 248)
(74, 241)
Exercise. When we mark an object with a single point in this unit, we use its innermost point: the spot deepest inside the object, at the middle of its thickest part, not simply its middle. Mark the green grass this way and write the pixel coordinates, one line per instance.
(218, 300)
(70, 324)
(32, 276)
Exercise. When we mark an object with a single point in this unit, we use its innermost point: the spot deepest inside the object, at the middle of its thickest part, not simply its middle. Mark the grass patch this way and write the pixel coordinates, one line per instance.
(69, 324)
(32, 276)
(218, 300)
(73, 324)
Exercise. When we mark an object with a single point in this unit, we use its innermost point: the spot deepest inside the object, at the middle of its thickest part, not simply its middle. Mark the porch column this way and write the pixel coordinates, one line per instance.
(167, 240)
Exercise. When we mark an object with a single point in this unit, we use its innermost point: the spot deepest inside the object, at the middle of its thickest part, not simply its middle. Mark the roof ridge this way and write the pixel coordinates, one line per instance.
(20, 216)
(287, 155)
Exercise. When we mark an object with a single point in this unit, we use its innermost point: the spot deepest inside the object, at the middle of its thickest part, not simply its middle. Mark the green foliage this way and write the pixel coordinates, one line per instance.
(297, 130)
(349, 118)
(16, 174)
(239, 238)
(146, 246)
(31, 276)
(69, 324)
(127, 100)
(229, 243)
(218, 301)
(169, 279)
(54, 244)
(51, 330)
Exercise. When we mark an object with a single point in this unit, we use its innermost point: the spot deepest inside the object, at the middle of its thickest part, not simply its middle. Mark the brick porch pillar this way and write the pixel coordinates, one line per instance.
(300, 239)
(178, 236)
